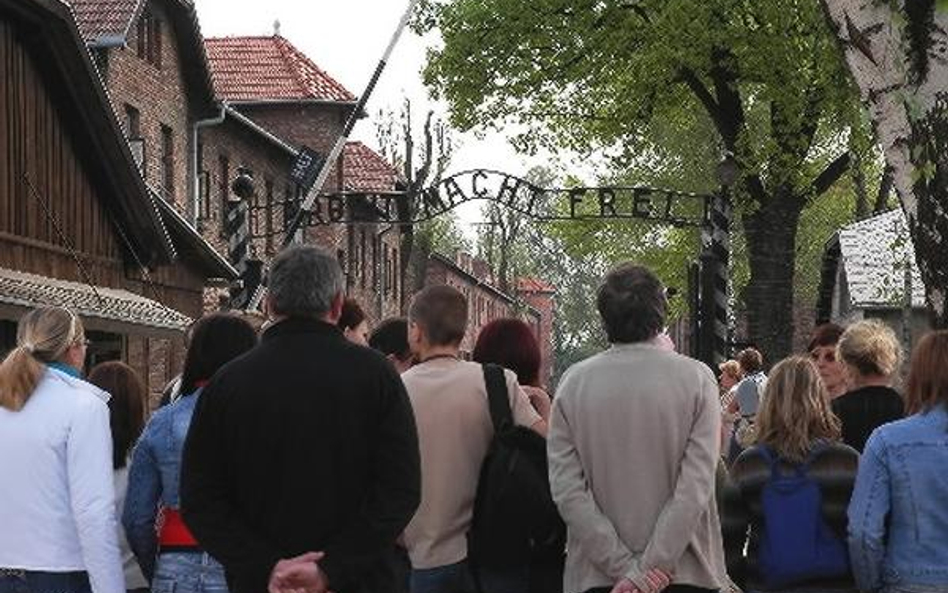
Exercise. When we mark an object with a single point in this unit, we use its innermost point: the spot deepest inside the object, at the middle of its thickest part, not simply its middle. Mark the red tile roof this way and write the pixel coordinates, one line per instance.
(268, 69)
(534, 285)
(103, 18)
(366, 171)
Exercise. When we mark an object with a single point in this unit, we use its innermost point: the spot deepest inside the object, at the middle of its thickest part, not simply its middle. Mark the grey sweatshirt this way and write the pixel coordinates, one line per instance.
(633, 447)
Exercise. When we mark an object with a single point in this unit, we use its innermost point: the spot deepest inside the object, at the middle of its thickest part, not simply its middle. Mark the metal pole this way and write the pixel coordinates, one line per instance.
(715, 261)
(324, 172)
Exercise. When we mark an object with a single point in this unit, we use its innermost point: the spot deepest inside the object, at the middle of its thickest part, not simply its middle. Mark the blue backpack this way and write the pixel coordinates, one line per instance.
(796, 544)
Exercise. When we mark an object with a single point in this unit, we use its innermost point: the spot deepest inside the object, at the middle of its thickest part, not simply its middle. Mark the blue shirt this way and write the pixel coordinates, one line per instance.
(749, 392)
(898, 516)
(153, 477)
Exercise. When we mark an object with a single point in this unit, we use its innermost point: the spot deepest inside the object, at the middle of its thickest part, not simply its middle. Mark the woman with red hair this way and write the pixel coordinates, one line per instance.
(511, 344)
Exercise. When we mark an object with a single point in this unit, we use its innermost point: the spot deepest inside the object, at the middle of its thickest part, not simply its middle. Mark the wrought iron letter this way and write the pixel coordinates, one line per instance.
(607, 202)
(575, 197)
(508, 192)
(641, 203)
(337, 208)
(455, 193)
(535, 194)
(316, 212)
(477, 189)
(433, 202)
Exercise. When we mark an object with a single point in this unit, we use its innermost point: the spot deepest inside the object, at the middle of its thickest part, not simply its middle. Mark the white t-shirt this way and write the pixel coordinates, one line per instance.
(449, 400)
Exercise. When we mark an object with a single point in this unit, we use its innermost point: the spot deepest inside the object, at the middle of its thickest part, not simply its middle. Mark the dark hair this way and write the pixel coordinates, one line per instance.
(511, 344)
(631, 302)
(126, 406)
(391, 338)
(751, 360)
(352, 314)
(827, 334)
(441, 311)
(928, 380)
(217, 339)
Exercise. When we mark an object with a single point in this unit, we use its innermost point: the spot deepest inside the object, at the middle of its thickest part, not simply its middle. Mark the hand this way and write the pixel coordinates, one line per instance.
(657, 580)
(540, 402)
(299, 575)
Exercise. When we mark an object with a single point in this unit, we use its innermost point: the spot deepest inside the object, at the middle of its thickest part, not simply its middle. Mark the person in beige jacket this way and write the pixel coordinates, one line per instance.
(633, 445)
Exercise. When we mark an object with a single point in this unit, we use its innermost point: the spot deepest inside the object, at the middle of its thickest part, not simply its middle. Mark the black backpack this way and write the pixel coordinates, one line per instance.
(515, 522)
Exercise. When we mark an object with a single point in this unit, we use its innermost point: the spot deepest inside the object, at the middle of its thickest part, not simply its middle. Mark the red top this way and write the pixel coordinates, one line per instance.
(172, 531)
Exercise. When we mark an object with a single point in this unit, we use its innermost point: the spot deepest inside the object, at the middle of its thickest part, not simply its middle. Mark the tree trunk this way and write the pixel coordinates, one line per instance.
(771, 232)
(895, 55)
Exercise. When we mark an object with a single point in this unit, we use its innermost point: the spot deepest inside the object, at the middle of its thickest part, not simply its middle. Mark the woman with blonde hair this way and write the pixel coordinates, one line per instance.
(791, 489)
(58, 530)
(871, 354)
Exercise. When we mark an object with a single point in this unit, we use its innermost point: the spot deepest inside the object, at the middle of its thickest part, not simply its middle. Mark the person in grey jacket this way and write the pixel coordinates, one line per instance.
(633, 445)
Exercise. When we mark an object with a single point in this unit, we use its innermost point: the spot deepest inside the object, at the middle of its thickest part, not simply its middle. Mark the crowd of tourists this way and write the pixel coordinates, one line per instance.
(313, 453)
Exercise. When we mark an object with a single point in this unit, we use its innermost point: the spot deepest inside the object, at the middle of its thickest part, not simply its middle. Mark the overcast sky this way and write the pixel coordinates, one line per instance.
(346, 39)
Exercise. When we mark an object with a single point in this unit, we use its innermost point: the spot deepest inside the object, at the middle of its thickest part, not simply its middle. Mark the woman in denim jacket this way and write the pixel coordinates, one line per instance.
(898, 519)
(170, 557)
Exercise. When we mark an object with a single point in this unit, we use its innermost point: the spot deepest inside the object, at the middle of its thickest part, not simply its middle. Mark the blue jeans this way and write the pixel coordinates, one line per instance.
(457, 578)
(44, 582)
(188, 572)
(453, 578)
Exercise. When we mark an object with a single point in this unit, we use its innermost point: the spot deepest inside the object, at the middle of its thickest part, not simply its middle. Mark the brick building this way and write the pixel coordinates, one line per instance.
(373, 273)
(474, 278)
(151, 57)
(539, 295)
(78, 226)
(269, 84)
(274, 95)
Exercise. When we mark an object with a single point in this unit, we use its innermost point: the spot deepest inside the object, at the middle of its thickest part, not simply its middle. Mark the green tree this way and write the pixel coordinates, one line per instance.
(760, 78)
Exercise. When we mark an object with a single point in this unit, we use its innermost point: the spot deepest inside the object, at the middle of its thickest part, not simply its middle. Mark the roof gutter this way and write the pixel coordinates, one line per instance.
(107, 42)
(318, 102)
(195, 165)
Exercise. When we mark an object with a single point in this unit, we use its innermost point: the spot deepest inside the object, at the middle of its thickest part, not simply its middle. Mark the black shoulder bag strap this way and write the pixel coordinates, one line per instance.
(498, 397)
(498, 400)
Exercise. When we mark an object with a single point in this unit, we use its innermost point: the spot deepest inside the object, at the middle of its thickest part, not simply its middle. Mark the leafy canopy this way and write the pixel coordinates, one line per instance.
(761, 78)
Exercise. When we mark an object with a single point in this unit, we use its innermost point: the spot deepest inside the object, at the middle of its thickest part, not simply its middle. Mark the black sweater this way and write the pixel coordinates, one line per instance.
(306, 443)
(834, 470)
(865, 409)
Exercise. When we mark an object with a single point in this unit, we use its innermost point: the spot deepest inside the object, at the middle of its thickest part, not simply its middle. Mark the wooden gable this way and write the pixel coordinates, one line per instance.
(48, 199)
(69, 189)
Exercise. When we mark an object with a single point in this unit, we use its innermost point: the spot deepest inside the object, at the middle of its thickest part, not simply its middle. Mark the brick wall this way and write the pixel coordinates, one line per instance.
(239, 146)
(316, 126)
(160, 98)
(372, 270)
(543, 303)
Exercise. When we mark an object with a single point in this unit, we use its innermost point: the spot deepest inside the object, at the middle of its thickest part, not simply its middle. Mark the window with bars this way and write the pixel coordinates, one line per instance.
(149, 39)
(167, 162)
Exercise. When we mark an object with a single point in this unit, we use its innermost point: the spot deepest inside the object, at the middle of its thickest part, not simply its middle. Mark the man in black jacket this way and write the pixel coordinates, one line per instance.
(303, 449)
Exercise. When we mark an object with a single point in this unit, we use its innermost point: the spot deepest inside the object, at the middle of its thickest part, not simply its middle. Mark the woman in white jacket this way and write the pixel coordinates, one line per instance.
(57, 512)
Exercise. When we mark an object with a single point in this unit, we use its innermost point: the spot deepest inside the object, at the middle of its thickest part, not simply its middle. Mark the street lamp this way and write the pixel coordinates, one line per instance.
(242, 186)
